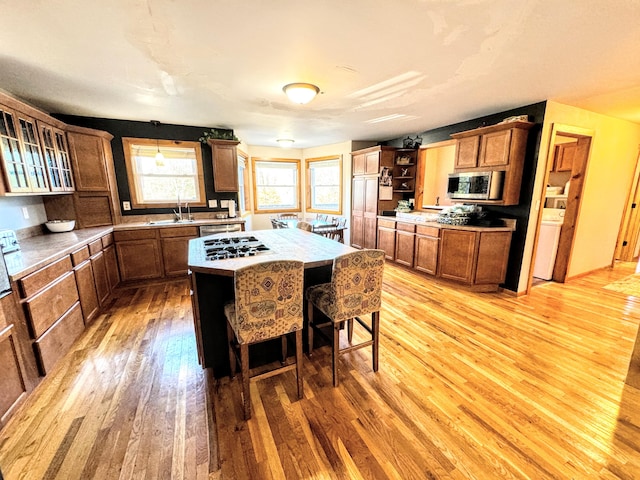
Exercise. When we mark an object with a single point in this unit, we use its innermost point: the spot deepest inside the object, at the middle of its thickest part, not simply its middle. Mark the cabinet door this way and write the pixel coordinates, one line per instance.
(370, 231)
(494, 149)
(426, 255)
(139, 259)
(100, 276)
(467, 152)
(13, 389)
(33, 154)
(87, 291)
(564, 157)
(493, 256)
(371, 195)
(358, 164)
(357, 212)
(56, 157)
(225, 166)
(357, 231)
(111, 262)
(404, 248)
(372, 163)
(93, 210)
(15, 168)
(457, 248)
(175, 253)
(387, 242)
(88, 158)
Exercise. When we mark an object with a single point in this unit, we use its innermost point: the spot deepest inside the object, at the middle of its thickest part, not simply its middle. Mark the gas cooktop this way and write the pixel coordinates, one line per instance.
(233, 247)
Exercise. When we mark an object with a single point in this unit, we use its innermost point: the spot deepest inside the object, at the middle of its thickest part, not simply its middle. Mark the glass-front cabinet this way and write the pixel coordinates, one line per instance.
(56, 156)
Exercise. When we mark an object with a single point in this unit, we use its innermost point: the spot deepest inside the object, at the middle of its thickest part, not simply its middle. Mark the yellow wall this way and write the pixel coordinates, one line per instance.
(612, 160)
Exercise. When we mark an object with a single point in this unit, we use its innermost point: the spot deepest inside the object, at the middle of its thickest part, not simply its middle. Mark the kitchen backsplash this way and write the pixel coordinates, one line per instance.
(12, 213)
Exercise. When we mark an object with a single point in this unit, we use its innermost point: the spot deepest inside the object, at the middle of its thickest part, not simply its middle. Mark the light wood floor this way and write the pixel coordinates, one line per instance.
(482, 386)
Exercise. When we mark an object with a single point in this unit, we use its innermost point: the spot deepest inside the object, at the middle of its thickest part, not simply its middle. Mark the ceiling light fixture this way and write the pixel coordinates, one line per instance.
(301, 93)
(159, 155)
(285, 142)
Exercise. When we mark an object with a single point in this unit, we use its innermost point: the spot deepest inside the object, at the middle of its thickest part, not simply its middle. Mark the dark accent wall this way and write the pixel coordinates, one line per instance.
(129, 128)
(519, 212)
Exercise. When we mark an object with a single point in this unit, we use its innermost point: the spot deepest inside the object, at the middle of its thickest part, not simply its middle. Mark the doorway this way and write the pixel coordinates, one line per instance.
(568, 152)
(628, 243)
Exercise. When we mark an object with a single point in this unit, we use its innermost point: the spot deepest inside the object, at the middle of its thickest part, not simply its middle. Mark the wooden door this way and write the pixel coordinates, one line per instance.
(494, 149)
(111, 263)
(88, 158)
(404, 248)
(175, 253)
(426, 254)
(457, 248)
(493, 256)
(100, 276)
(372, 163)
(139, 259)
(467, 152)
(225, 165)
(358, 164)
(565, 153)
(370, 212)
(87, 291)
(13, 388)
(387, 242)
(357, 212)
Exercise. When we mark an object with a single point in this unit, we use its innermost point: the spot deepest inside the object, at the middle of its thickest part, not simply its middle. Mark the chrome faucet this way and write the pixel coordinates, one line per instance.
(178, 214)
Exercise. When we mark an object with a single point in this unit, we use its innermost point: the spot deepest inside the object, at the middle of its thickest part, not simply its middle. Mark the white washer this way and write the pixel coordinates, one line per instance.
(552, 219)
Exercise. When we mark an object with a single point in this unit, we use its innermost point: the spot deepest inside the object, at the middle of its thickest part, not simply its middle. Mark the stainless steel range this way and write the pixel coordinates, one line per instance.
(233, 247)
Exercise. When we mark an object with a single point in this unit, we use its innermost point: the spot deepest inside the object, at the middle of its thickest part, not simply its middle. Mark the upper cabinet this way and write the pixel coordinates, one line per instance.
(497, 147)
(56, 156)
(404, 170)
(23, 164)
(89, 161)
(563, 159)
(225, 165)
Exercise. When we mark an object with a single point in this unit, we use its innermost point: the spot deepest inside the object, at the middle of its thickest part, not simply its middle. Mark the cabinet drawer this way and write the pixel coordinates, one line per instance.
(428, 231)
(95, 247)
(79, 256)
(386, 223)
(52, 346)
(107, 240)
(50, 304)
(179, 232)
(406, 227)
(38, 280)
(143, 234)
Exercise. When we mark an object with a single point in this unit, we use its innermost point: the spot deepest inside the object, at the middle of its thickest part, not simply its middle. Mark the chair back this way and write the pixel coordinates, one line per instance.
(268, 300)
(356, 283)
(306, 226)
(288, 215)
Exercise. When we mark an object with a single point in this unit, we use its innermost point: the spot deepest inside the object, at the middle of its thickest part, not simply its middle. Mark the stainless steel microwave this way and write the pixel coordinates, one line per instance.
(475, 185)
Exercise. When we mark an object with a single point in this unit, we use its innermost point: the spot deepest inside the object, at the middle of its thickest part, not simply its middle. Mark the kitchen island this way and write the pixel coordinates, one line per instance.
(212, 283)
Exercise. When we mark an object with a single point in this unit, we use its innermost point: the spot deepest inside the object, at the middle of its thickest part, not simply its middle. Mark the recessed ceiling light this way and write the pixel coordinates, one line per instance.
(301, 92)
(285, 142)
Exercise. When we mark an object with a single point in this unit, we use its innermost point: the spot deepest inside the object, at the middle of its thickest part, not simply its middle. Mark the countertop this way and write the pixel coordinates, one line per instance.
(421, 219)
(193, 223)
(284, 243)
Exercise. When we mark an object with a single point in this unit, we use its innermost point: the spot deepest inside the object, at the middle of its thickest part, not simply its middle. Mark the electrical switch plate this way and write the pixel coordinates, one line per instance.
(213, 203)
(126, 205)
(25, 212)
(224, 203)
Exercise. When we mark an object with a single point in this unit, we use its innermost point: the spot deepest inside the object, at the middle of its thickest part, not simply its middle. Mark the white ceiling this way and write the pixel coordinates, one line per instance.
(223, 63)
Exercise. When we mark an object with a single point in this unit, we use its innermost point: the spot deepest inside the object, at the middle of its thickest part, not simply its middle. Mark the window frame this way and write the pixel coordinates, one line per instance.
(127, 142)
(331, 158)
(254, 162)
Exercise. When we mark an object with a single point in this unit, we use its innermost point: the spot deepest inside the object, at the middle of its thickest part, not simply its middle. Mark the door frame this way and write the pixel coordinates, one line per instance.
(630, 225)
(578, 176)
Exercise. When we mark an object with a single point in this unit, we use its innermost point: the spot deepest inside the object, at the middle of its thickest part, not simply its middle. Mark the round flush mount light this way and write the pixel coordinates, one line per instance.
(285, 142)
(301, 93)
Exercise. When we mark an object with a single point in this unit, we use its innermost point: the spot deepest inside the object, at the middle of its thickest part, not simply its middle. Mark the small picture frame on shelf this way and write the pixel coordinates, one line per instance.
(386, 179)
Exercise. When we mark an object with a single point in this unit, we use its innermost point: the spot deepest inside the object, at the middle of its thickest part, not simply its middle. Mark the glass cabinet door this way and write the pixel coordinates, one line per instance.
(64, 162)
(56, 158)
(15, 169)
(36, 168)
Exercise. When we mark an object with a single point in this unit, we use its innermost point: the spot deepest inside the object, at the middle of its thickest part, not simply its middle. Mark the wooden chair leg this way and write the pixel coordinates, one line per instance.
(375, 333)
(336, 351)
(283, 339)
(350, 323)
(299, 363)
(310, 327)
(232, 354)
(246, 396)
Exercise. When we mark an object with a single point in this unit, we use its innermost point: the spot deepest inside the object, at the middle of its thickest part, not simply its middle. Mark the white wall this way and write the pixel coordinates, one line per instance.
(612, 160)
(11, 212)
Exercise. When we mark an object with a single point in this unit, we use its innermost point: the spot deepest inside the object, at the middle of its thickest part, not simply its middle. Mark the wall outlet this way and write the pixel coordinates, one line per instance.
(213, 203)
(224, 203)
(126, 205)
(25, 212)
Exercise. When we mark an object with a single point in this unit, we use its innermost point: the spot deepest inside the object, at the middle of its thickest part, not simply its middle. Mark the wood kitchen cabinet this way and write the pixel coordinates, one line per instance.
(457, 248)
(225, 165)
(175, 249)
(111, 264)
(563, 158)
(405, 242)
(139, 255)
(86, 284)
(56, 156)
(427, 246)
(13, 385)
(387, 238)
(496, 147)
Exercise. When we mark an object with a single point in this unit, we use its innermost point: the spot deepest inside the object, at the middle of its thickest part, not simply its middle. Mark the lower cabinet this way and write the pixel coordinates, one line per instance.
(13, 386)
(111, 262)
(87, 291)
(55, 342)
(475, 257)
(138, 253)
(100, 276)
(175, 249)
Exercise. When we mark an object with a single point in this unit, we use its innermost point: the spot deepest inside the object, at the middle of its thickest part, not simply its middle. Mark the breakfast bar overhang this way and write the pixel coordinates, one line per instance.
(212, 281)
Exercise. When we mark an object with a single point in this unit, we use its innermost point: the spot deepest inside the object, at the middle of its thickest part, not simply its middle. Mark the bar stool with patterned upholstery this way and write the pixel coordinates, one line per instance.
(268, 304)
(354, 291)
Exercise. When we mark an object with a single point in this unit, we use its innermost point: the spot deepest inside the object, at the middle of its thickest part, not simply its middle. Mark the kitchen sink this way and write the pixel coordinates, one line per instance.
(168, 222)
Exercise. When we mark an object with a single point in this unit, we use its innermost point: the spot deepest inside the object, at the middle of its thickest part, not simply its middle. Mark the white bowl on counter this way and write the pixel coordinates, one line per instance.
(58, 226)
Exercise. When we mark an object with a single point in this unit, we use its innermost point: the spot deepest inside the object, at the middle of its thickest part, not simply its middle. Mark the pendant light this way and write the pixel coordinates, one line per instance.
(159, 155)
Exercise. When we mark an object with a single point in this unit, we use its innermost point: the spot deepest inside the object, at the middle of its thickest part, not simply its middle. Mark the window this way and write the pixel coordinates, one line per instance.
(244, 188)
(162, 181)
(276, 185)
(324, 177)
